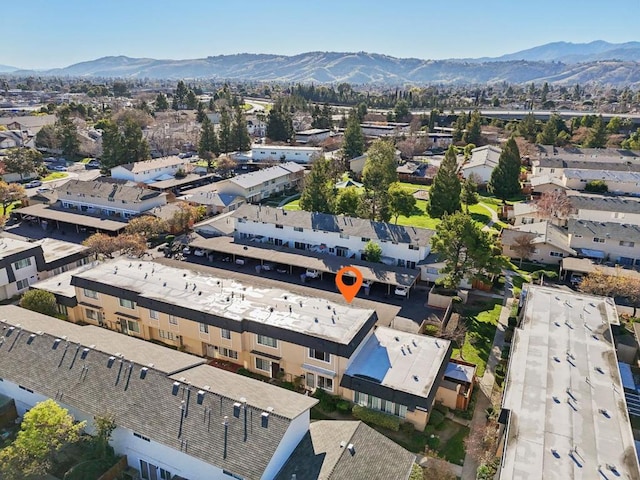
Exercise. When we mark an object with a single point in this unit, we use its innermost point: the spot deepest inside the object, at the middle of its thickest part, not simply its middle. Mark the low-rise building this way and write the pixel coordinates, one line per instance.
(148, 171)
(548, 243)
(482, 162)
(279, 153)
(388, 129)
(619, 182)
(615, 242)
(333, 234)
(313, 135)
(555, 166)
(214, 202)
(605, 208)
(564, 407)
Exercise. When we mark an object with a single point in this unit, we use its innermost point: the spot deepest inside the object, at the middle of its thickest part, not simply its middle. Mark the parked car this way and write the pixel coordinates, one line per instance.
(312, 273)
(240, 261)
(186, 250)
(33, 184)
(268, 267)
(199, 252)
(59, 168)
(282, 268)
(401, 291)
(92, 164)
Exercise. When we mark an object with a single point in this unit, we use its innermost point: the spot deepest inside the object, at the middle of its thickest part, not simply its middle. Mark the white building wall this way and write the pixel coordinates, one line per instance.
(614, 187)
(482, 171)
(552, 172)
(95, 205)
(611, 247)
(297, 429)
(291, 154)
(355, 245)
(146, 175)
(603, 216)
(29, 273)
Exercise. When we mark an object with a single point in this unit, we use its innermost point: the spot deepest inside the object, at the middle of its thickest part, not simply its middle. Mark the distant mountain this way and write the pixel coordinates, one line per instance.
(7, 69)
(615, 64)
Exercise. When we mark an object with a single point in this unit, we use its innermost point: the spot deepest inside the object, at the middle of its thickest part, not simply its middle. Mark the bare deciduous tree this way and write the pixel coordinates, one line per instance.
(554, 204)
(523, 247)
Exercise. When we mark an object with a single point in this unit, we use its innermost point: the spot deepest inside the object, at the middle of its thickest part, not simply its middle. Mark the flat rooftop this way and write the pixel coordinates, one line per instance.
(229, 298)
(58, 249)
(402, 361)
(106, 341)
(61, 284)
(568, 415)
(47, 212)
(11, 246)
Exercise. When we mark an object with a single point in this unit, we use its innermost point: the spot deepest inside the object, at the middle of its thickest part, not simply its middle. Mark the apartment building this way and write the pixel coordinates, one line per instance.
(564, 410)
(615, 242)
(268, 330)
(332, 234)
(482, 162)
(605, 208)
(549, 244)
(149, 171)
(619, 182)
(305, 155)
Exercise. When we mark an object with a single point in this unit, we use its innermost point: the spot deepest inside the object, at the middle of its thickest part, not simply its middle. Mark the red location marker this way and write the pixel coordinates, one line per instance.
(349, 291)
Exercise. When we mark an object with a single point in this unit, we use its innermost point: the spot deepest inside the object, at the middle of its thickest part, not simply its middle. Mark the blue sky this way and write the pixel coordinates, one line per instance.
(47, 33)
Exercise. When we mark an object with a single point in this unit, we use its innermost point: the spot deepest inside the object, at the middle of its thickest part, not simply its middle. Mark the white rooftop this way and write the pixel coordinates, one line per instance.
(403, 361)
(231, 299)
(568, 412)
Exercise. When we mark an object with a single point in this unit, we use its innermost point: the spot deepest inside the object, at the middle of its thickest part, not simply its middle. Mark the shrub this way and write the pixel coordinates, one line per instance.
(376, 418)
(328, 403)
(432, 330)
(505, 352)
(441, 408)
(513, 322)
(169, 239)
(436, 418)
(407, 428)
(433, 441)
(596, 186)
(343, 406)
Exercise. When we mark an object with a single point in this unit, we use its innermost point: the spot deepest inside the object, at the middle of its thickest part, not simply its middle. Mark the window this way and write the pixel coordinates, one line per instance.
(225, 333)
(268, 341)
(127, 303)
(132, 326)
(325, 383)
(279, 226)
(598, 240)
(25, 389)
(298, 229)
(232, 475)
(25, 262)
(319, 355)
(227, 352)
(90, 293)
(173, 320)
(311, 380)
(153, 314)
(344, 235)
(414, 247)
(624, 243)
(262, 364)
(141, 437)
(92, 314)
(365, 239)
(375, 403)
(556, 254)
(204, 328)
(166, 335)
(22, 284)
(527, 220)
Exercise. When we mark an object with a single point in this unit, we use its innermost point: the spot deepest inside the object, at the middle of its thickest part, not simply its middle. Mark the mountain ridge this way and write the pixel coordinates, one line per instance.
(538, 64)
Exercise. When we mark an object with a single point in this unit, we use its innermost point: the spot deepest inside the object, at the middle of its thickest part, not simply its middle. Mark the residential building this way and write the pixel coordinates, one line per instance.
(11, 139)
(397, 373)
(279, 153)
(412, 172)
(220, 225)
(564, 407)
(333, 234)
(388, 129)
(108, 198)
(176, 417)
(356, 165)
(269, 330)
(482, 162)
(313, 135)
(605, 208)
(526, 213)
(440, 139)
(59, 256)
(619, 182)
(148, 171)
(549, 243)
(555, 166)
(335, 449)
(615, 242)
(539, 184)
(214, 202)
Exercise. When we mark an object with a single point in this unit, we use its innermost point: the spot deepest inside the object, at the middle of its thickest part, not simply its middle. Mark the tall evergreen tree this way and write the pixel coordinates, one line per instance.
(528, 128)
(134, 145)
(112, 148)
(161, 103)
(318, 193)
(474, 129)
(377, 176)
(239, 133)
(353, 141)
(597, 137)
(224, 133)
(549, 133)
(208, 147)
(67, 132)
(279, 125)
(180, 95)
(505, 177)
(444, 196)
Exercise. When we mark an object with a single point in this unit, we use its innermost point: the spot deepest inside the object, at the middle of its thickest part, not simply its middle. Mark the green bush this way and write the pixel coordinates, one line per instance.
(505, 352)
(433, 442)
(513, 321)
(343, 406)
(407, 428)
(169, 239)
(548, 274)
(441, 408)
(376, 418)
(432, 330)
(328, 403)
(436, 418)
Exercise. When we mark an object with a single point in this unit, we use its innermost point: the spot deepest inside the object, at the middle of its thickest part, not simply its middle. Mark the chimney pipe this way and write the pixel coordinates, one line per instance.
(226, 431)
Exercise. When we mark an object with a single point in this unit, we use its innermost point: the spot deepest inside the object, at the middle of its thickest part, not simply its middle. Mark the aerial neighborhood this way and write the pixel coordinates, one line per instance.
(176, 248)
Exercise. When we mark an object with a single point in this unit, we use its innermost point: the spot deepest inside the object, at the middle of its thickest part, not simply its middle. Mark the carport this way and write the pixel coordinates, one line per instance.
(379, 273)
(48, 214)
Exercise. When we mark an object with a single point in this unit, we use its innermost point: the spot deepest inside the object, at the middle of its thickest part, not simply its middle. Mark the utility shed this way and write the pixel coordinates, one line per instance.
(564, 404)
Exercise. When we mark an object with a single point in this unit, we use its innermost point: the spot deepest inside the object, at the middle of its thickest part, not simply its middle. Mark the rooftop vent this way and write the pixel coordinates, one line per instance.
(85, 352)
(30, 339)
(264, 419)
(143, 373)
(415, 377)
(343, 444)
(236, 409)
(175, 388)
(10, 331)
(110, 362)
(351, 449)
(200, 397)
(56, 343)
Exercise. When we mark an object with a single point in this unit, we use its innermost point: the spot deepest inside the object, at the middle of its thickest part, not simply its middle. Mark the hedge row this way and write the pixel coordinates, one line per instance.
(377, 418)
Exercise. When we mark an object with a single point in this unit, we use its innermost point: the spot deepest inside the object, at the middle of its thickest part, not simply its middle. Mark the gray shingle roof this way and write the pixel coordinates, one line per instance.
(357, 227)
(252, 179)
(98, 189)
(589, 164)
(320, 456)
(607, 230)
(605, 203)
(148, 406)
(162, 162)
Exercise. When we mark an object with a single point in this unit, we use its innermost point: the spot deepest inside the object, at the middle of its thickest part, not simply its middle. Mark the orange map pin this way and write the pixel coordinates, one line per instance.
(349, 291)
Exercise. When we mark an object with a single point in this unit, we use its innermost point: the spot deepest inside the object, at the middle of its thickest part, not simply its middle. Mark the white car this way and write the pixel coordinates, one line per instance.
(401, 291)
(199, 252)
(268, 267)
(312, 273)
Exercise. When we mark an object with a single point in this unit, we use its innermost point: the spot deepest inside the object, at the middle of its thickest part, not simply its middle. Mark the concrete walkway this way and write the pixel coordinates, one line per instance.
(492, 213)
(486, 383)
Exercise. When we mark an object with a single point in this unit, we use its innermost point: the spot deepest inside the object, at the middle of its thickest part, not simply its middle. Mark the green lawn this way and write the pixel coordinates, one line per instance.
(86, 160)
(453, 450)
(295, 205)
(422, 220)
(55, 176)
(481, 321)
